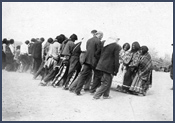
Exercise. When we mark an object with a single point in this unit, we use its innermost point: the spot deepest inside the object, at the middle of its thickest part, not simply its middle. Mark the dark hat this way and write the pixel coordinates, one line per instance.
(94, 31)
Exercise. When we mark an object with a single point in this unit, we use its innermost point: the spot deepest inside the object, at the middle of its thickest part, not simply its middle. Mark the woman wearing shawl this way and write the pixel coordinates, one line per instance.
(131, 66)
(143, 78)
(122, 69)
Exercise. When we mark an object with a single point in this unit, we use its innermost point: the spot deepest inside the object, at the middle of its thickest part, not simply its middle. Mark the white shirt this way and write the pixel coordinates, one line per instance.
(11, 46)
(24, 48)
(83, 45)
(55, 49)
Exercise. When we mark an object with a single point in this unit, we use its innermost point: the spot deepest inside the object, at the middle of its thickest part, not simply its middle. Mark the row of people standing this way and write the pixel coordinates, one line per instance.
(92, 66)
(101, 59)
(22, 57)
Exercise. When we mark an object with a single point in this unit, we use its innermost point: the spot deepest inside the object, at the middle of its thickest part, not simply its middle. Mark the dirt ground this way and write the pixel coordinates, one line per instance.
(24, 100)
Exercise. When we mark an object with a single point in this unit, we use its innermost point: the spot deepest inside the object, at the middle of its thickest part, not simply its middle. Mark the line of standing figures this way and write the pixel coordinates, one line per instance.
(89, 64)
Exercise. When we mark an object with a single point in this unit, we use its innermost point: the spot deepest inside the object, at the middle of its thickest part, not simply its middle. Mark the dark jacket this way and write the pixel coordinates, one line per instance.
(76, 50)
(93, 47)
(30, 48)
(67, 50)
(109, 59)
(37, 50)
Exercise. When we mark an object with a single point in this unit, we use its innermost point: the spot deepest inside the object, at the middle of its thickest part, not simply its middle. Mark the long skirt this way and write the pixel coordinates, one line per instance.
(141, 86)
(128, 78)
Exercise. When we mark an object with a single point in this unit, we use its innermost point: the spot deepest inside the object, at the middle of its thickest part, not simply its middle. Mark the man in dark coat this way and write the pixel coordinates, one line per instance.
(91, 59)
(37, 54)
(108, 65)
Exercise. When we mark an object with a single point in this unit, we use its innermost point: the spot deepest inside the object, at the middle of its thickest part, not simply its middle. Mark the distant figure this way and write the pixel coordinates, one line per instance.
(37, 54)
(12, 47)
(42, 71)
(17, 58)
(9, 58)
(24, 56)
(4, 43)
(171, 71)
(30, 49)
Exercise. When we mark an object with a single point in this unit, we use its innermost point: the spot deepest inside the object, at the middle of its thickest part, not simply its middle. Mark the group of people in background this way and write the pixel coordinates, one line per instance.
(77, 65)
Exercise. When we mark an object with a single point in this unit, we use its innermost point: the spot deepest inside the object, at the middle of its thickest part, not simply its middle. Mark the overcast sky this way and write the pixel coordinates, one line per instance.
(150, 24)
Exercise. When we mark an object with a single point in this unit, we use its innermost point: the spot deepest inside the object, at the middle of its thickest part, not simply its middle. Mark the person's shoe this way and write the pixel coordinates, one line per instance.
(86, 90)
(65, 88)
(71, 91)
(42, 84)
(92, 92)
(108, 97)
(95, 98)
(78, 93)
(118, 88)
(144, 93)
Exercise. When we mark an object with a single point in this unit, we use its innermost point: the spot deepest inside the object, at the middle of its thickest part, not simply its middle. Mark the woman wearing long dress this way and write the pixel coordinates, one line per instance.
(143, 78)
(122, 69)
(131, 67)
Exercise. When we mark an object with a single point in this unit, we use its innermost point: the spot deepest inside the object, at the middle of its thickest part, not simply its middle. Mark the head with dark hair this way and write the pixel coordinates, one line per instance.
(135, 47)
(50, 40)
(60, 38)
(63, 37)
(18, 47)
(8, 42)
(11, 41)
(4, 41)
(126, 46)
(42, 39)
(144, 50)
(73, 37)
(33, 40)
(27, 42)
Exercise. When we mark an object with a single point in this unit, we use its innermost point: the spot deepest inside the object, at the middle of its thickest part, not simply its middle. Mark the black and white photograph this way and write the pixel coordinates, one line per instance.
(87, 61)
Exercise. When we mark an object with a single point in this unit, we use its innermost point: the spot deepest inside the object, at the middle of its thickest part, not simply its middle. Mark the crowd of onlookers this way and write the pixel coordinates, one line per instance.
(88, 64)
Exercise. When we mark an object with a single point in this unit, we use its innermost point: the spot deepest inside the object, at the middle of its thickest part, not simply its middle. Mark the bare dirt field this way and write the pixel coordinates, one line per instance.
(24, 100)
